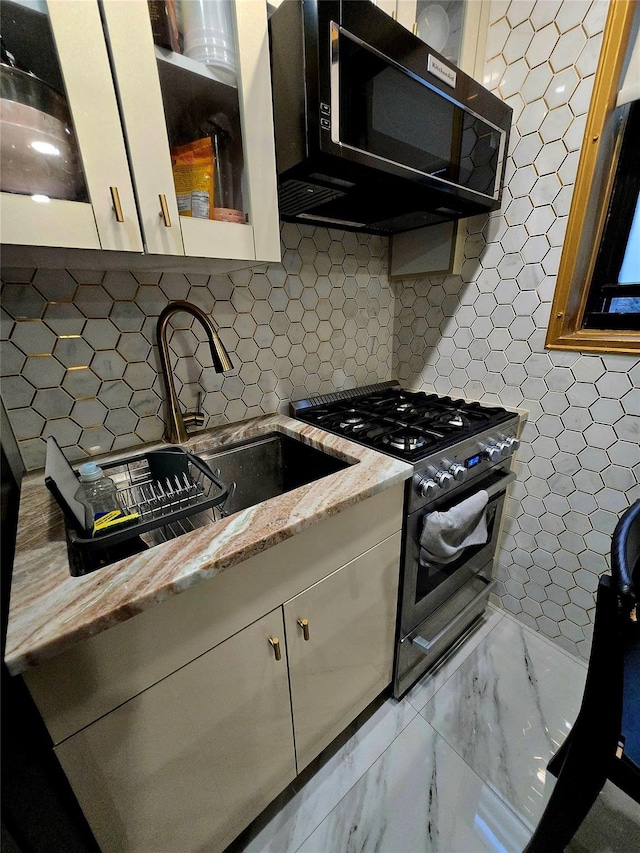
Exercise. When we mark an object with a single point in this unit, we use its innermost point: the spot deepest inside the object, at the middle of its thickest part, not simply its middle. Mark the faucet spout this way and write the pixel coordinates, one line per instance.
(177, 422)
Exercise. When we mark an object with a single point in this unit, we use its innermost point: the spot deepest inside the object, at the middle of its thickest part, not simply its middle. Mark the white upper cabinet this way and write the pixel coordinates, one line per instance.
(172, 102)
(388, 6)
(197, 176)
(455, 28)
(64, 173)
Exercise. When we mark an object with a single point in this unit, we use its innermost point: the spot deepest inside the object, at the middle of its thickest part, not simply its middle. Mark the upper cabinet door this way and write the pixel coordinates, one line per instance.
(196, 106)
(64, 178)
(455, 28)
(388, 6)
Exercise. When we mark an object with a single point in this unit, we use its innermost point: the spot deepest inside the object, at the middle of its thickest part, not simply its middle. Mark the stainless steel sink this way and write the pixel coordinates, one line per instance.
(271, 465)
(253, 471)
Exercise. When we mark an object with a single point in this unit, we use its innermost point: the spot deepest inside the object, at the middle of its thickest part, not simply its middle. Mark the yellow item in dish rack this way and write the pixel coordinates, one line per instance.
(113, 519)
(192, 166)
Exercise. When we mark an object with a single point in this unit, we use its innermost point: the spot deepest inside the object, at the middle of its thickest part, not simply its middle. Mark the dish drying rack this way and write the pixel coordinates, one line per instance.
(172, 492)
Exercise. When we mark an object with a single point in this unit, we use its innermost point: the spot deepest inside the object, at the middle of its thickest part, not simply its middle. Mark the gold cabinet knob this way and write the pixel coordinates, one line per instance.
(304, 624)
(275, 645)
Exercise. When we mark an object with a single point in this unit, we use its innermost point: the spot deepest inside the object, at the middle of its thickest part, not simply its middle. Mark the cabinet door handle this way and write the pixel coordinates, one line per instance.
(275, 645)
(117, 207)
(414, 28)
(164, 210)
(304, 624)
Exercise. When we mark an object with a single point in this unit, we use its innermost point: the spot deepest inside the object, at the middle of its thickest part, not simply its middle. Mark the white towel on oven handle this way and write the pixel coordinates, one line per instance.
(445, 535)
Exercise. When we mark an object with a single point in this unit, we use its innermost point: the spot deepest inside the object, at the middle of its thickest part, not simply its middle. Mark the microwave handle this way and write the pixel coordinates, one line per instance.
(425, 645)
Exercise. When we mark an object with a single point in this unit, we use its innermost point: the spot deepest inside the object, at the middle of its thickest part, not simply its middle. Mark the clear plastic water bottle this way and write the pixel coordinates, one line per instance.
(100, 490)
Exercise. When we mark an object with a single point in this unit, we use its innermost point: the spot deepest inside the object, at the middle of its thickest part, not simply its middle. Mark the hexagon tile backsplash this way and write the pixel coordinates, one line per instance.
(79, 358)
(481, 334)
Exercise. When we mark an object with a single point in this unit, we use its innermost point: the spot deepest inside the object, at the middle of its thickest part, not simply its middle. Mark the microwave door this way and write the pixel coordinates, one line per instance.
(374, 111)
(381, 112)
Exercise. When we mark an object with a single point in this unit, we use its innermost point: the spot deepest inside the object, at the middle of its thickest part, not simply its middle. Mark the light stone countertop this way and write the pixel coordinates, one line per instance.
(50, 610)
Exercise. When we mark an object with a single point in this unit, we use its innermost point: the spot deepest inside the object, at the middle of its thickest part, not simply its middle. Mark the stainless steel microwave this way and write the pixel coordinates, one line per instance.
(375, 130)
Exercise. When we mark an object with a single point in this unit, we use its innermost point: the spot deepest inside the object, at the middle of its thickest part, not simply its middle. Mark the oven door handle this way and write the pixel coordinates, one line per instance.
(426, 645)
(501, 485)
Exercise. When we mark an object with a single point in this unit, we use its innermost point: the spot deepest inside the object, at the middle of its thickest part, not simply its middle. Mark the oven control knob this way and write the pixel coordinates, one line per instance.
(492, 452)
(458, 472)
(425, 485)
(443, 479)
(514, 443)
(504, 448)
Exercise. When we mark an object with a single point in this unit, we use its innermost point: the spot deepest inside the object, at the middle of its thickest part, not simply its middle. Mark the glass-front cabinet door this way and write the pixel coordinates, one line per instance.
(194, 86)
(455, 28)
(64, 175)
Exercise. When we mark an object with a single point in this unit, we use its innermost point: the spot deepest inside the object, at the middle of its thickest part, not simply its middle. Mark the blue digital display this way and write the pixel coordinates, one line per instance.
(473, 460)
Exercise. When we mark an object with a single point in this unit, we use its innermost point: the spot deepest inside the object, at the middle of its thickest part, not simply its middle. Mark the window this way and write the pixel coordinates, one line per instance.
(596, 305)
(614, 294)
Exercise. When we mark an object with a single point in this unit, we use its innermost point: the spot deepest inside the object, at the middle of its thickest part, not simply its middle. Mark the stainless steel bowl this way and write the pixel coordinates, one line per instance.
(38, 149)
(27, 89)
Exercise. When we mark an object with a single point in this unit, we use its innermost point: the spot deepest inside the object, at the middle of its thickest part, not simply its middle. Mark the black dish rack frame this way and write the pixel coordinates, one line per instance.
(166, 488)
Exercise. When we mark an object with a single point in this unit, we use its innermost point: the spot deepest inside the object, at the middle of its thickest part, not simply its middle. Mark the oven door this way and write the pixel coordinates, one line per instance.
(428, 586)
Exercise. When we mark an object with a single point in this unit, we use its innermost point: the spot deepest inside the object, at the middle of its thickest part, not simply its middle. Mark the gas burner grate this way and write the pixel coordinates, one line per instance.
(450, 420)
(407, 424)
(405, 441)
(351, 418)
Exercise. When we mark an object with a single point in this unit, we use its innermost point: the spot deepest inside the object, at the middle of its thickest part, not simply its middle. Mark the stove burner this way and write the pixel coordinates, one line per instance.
(351, 419)
(407, 442)
(410, 425)
(456, 420)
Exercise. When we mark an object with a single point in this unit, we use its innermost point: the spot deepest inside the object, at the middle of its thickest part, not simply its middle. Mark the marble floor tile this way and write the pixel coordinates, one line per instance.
(466, 775)
(429, 684)
(301, 809)
(507, 708)
(419, 797)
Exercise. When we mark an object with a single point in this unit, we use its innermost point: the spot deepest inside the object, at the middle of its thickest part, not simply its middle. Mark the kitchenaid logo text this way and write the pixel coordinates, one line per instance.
(442, 72)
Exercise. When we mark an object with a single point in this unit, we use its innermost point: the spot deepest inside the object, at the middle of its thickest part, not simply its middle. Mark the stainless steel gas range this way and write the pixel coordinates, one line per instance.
(457, 449)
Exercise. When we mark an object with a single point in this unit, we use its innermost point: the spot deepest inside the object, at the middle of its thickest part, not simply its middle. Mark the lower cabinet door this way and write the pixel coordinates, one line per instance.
(188, 763)
(341, 657)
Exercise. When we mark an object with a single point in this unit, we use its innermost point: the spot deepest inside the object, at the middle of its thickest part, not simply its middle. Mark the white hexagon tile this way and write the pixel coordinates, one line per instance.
(79, 360)
(79, 357)
(579, 463)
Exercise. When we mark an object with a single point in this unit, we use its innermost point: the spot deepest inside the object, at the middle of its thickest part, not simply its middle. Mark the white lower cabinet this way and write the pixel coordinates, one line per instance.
(182, 765)
(348, 656)
(178, 727)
